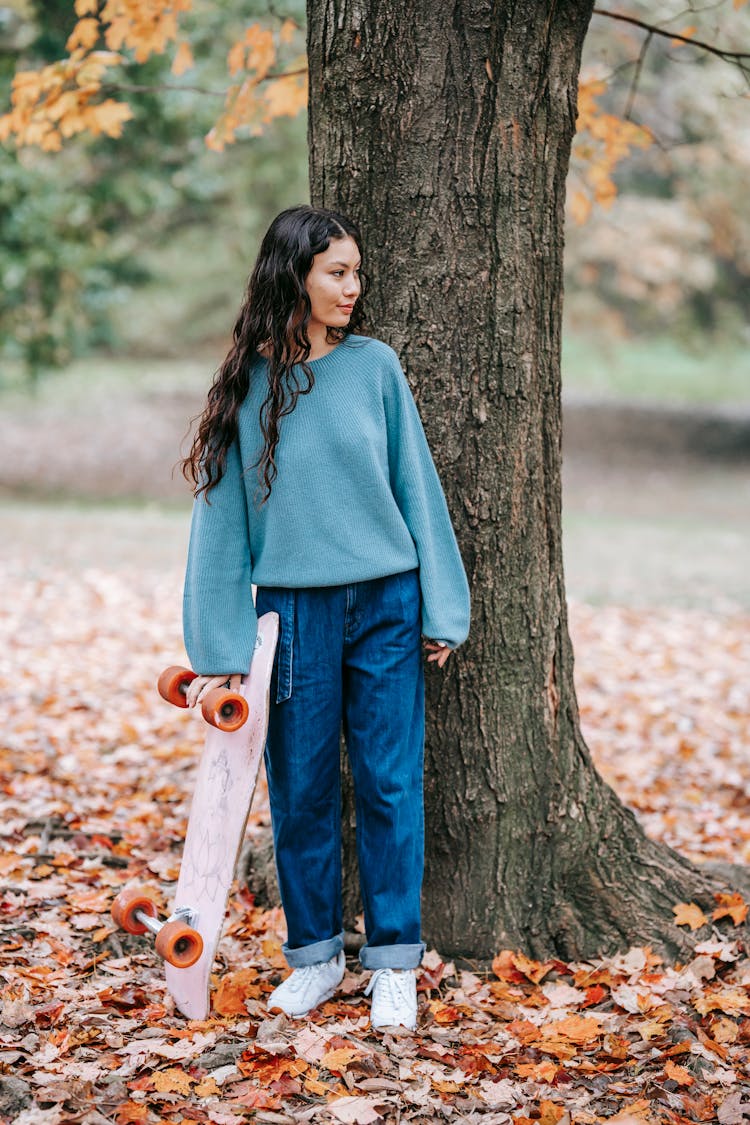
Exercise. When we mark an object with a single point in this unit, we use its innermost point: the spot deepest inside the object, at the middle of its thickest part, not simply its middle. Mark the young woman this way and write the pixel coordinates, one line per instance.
(353, 547)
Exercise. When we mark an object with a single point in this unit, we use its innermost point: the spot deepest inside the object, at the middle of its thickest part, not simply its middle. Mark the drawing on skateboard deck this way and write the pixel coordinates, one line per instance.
(224, 788)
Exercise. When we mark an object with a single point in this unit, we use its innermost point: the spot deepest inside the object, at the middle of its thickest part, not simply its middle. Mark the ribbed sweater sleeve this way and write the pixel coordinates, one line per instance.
(421, 501)
(219, 619)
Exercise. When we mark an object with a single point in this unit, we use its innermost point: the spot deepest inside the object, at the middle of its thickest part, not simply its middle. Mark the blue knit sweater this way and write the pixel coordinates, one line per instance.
(357, 496)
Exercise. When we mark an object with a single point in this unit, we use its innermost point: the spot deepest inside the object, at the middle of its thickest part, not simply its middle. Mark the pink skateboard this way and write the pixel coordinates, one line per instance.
(224, 788)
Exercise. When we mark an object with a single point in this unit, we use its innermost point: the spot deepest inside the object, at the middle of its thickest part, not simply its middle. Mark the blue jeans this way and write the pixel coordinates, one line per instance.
(348, 653)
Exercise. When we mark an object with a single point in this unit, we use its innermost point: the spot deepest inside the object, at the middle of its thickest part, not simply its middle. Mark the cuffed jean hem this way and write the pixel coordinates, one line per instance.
(391, 956)
(315, 953)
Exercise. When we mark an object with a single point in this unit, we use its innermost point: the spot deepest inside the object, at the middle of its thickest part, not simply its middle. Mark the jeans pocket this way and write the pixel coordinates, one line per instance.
(410, 593)
(282, 601)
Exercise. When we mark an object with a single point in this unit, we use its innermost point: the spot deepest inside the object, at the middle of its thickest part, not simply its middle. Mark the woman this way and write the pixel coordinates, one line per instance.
(354, 549)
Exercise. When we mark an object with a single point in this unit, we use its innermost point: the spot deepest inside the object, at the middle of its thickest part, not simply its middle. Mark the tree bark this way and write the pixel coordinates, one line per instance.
(445, 132)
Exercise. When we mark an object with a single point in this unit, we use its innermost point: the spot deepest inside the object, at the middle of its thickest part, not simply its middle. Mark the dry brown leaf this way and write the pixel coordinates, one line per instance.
(678, 1073)
(731, 905)
(689, 914)
(338, 1059)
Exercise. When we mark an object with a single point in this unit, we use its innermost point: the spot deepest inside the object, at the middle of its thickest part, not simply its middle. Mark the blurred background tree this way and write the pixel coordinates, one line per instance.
(139, 245)
(668, 262)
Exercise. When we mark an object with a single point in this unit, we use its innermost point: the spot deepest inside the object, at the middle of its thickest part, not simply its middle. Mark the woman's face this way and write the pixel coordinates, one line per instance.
(333, 283)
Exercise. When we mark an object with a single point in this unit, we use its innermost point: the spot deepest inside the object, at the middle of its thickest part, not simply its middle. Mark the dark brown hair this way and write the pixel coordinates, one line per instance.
(275, 312)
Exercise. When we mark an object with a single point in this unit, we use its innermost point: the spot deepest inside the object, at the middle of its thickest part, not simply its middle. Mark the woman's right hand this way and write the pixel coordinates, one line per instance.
(200, 687)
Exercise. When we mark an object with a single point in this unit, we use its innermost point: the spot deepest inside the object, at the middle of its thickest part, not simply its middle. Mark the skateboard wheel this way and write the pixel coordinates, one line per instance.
(179, 944)
(225, 709)
(124, 908)
(173, 683)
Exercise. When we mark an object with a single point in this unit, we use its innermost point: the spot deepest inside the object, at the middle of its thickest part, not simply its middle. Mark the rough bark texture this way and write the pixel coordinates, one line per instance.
(445, 132)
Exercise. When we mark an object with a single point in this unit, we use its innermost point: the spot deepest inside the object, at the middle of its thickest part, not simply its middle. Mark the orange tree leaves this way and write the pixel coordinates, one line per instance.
(602, 140)
(58, 101)
(256, 101)
(65, 98)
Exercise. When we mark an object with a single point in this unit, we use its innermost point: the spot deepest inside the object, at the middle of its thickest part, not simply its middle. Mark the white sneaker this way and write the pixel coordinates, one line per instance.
(308, 986)
(394, 998)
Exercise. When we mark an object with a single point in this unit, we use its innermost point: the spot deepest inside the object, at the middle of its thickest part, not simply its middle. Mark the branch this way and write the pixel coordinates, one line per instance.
(134, 88)
(636, 76)
(728, 56)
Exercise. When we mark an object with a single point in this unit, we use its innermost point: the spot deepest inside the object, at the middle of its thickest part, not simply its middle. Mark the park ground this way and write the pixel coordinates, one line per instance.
(97, 775)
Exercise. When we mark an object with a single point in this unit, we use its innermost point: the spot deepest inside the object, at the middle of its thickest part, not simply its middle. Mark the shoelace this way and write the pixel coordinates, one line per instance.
(394, 980)
(301, 977)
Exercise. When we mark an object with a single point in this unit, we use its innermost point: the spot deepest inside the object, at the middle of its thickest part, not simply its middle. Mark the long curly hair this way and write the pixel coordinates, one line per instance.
(275, 313)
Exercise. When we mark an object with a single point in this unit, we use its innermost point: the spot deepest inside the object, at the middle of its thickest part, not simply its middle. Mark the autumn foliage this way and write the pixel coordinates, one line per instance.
(96, 774)
(67, 97)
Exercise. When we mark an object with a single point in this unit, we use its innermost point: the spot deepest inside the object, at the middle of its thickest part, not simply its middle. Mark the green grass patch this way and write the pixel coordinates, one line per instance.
(659, 369)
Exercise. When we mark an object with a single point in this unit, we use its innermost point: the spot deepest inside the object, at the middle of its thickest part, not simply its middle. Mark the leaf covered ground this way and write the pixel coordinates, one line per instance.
(96, 780)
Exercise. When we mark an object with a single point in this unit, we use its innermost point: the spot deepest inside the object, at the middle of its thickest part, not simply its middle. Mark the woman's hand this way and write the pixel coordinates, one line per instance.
(202, 685)
(440, 651)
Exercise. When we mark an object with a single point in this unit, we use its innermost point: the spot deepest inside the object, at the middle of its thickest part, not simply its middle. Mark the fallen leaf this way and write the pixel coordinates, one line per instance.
(678, 1073)
(689, 914)
(355, 1111)
(730, 904)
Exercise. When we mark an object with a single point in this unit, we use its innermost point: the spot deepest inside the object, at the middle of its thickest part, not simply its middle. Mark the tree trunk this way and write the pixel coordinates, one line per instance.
(445, 132)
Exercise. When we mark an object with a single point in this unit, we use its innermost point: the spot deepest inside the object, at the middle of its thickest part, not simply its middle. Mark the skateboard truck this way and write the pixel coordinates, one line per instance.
(224, 709)
(176, 939)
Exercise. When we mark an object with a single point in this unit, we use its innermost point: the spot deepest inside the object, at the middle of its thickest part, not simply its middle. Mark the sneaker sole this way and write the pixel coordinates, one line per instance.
(298, 1015)
(399, 1027)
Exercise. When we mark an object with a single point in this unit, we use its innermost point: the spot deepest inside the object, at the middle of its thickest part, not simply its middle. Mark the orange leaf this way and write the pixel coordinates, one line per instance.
(207, 1088)
(265, 1068)
(540, 1072)
(685, 33)
(725, 1031)
(234, 989)
(513, 966)
(131, 1113)
(172, 1081)
(732, 1001)
(183, 59)
(594, 995)
(734, 905)
(236, 58)
(524, 1031)
(579, 1029)
(504, 968)
(92, 900)
(446, 1087)
(448, 1013)
(85, 34)
(551, 1112)
(339, 1059)
(689, 914)
(678, 1074)
(286, 31)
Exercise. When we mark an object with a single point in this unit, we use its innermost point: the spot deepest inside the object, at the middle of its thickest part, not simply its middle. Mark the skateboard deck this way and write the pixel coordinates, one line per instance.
(224, 789)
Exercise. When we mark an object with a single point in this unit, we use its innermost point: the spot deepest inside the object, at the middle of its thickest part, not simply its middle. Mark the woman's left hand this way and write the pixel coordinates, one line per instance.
(441, 652)
(198, 688)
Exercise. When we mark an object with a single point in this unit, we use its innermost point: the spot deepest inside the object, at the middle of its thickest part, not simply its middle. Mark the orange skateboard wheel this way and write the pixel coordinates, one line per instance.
(173, 683)
(225, 709)
(124, 908)
(179, 944)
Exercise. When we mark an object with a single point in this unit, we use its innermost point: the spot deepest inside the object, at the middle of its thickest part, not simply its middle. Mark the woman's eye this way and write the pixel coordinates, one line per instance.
(337, 272)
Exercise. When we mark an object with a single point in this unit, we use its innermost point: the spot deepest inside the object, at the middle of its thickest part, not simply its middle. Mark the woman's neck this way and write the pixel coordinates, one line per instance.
(319, 347)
